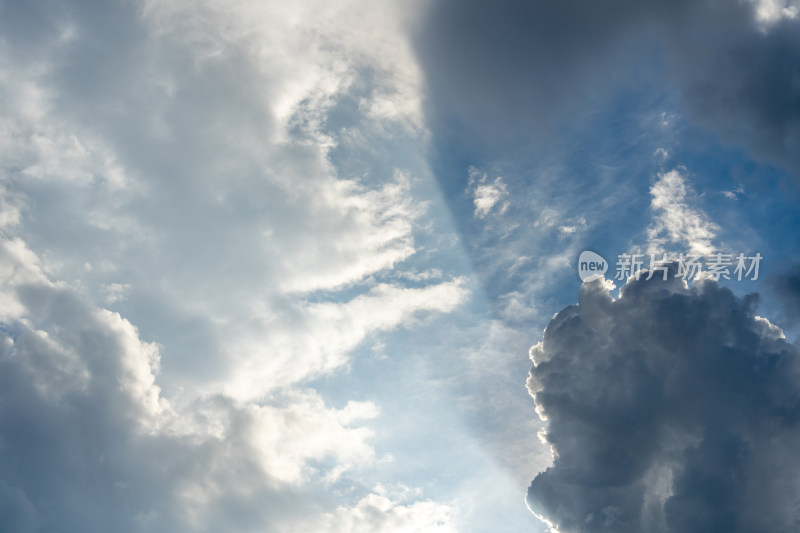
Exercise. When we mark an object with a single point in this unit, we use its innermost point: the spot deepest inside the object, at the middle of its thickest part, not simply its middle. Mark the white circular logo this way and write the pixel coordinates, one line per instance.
(591, 266)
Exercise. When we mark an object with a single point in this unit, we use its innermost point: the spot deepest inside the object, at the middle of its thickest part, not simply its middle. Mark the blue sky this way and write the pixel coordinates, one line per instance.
(272, 267)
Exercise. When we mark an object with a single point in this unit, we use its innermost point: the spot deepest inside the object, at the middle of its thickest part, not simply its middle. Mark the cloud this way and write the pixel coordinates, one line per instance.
(676, 221)
(786, 286)
(487, 194)
(374, 230)
(769, 12)
(394, 517)
(222, 163)
(736, 65)
(287, 355)
(519, 70)
(735, 193)
(81, 415)
(116, 292)
(669, 409)
(511, 69)
(226, 177)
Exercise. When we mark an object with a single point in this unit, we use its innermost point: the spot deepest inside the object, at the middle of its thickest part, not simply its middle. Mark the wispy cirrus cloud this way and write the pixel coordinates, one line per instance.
(677, 221)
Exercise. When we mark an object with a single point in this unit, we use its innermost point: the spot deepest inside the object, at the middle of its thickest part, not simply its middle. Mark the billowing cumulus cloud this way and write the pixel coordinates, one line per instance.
(669, 409)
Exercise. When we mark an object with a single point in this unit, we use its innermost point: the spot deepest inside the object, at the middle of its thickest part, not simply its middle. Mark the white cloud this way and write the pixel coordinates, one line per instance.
(315, 339)
(310, 50)
(249, 206)
(9, 210)
(116, 292)
(194, 158)
(486, 194)
(379, 513)
(373, 232)
(87, 368)
(770, 12)
(574, 225)
(676, 220)
(734, 193)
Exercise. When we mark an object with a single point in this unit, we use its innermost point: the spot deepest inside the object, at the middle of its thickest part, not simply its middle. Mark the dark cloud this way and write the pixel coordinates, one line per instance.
(741, 79)
(514, 63)
(670, 409)
(787, 287)
(524, 69)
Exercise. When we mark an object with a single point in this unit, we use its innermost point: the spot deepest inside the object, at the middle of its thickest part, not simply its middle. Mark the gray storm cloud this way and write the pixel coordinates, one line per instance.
(669, 409)
(518, 69)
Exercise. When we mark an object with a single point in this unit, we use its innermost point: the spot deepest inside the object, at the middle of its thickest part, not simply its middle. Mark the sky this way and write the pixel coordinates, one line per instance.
(316, 267)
